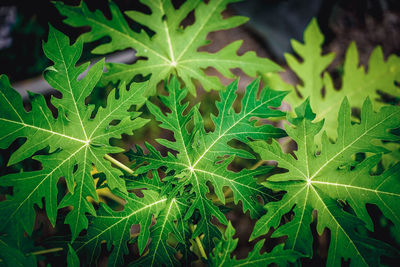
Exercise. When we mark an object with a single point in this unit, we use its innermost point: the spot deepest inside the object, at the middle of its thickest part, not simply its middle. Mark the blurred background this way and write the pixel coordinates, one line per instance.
(24, 25)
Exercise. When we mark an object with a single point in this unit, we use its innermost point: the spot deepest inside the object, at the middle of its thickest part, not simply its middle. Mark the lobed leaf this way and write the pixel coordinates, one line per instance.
(172, 49)
(200, 155)
(319, 180)
(356, 82)
(221, 256)
(114, 227)
(76, 138)
(169, 221)
(72, 257)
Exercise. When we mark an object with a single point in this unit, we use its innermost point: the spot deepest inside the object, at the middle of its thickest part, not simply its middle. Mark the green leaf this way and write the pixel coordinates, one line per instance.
(15, 249)
(356, 82)
(169, 221)
(72, 258)
(172, 48)
(321, 179)
(221, 256)
(166, 237)
(114, 227)
(200, 157)
(76, 138)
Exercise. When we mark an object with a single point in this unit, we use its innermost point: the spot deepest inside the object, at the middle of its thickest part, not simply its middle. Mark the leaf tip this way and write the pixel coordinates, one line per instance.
(305, 110)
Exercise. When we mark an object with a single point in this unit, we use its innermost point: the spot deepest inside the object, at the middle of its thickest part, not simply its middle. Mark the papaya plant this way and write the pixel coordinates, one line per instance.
(168, 202)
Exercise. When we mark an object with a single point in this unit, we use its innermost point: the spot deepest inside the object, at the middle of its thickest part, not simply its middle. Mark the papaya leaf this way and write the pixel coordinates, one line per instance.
(172, 48)
(76, 139)
(200, 158)
(356, 82)
(72, 258)
(169, 221)
(320, 180)
(221, 256)
(114, 227)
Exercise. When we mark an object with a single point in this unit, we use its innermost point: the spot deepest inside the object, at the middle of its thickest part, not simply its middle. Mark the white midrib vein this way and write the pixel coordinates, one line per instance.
(81, 191)
(110, 113)
(181, 221)
(201, 200)
(69, 85)
(243, 198)
(171, 52)
(210, 13)
(357, 188)
(233, 125)
(214, 59)
(305, 149)
(47, 119)
(22, 122)
(44, 130)
(193, 170)
(44, 179)
(342, 185)
(136, 69)
(351, 143)
(122, 218)
(302, 215)
(162, 230)
(179, 127)
(223, 111)
(338, 224)
(164, 161)
(120, 242)
(275, 213)
(15, 111)
(227, 179)
(198, 76)
(224, 257)
(130, 38)
(288, 162)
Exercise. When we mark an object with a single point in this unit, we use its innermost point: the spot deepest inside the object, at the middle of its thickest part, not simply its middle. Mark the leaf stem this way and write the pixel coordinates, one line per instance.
(258, 164)
(198, 242)
(51, 250)
(106, 193)
(217, 201)
(118, 163)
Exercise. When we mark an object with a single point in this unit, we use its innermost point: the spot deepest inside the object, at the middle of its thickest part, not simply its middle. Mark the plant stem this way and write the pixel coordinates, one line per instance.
(258, 164)
(51, 250)
(105, 192)
(119, 164)
(198, 242)
(217, 201)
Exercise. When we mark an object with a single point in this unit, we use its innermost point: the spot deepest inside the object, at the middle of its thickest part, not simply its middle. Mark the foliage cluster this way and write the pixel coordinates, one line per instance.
(170, 208)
